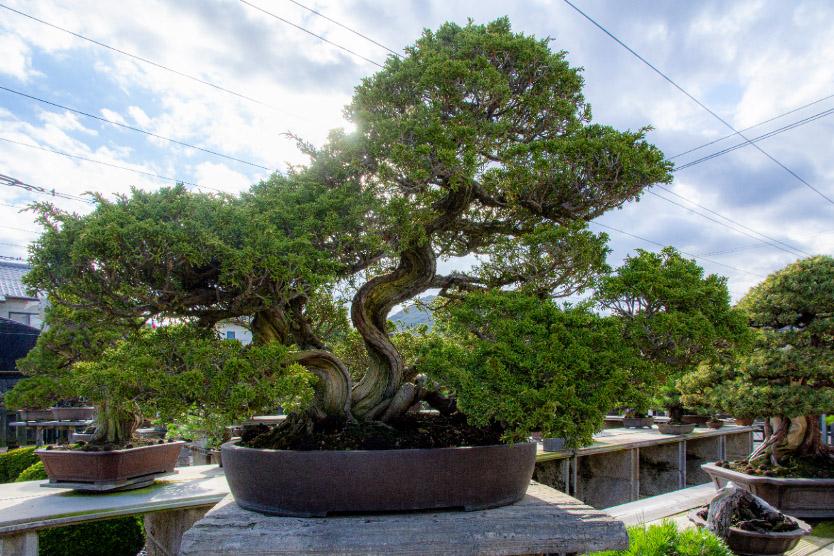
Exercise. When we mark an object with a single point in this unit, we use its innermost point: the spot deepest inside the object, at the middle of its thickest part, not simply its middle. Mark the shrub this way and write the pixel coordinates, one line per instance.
(13, 462)
(34, 472)
(123, 536)
(664, 539)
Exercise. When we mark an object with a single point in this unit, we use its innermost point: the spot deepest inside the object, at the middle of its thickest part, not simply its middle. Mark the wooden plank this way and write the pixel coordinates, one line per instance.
(665, 505)
(812, 545)
(545, 521)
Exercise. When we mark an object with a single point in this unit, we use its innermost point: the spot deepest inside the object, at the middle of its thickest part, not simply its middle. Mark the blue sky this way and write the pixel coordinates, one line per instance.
(747, 60)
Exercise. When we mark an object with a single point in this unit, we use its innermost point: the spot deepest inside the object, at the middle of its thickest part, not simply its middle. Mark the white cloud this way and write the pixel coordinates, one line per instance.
(16, 58)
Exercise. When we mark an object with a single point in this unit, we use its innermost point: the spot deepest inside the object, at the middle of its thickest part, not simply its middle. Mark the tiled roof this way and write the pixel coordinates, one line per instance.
(11, 280)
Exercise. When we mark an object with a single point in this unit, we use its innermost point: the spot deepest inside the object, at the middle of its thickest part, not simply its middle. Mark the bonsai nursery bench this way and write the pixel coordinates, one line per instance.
(170, 506)
(544, 521)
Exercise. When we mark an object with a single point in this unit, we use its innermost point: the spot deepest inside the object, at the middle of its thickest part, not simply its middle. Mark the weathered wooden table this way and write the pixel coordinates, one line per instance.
(546, 521)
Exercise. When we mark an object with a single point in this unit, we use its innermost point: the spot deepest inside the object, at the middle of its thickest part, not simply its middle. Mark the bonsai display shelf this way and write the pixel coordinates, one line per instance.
(544, 521)
(102, 486)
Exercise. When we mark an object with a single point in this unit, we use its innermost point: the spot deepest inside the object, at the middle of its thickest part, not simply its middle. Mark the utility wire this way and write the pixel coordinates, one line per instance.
(345, 27)
(300, 28)
(155, 64)
(641, 238)
(109, 164)
(14, 182)
(763, 122)
(734, 250)
(752, 141)
(20, 229)
(132, 128)
(698, 102)
(8, 258)
(790, 251)
(737, 223)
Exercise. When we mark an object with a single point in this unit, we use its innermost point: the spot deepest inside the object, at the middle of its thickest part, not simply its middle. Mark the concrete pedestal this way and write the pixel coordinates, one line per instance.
(546, 521)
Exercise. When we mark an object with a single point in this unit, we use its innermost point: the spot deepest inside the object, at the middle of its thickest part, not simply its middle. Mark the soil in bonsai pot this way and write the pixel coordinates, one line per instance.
(820, 467)
(411, 430)
(91, 447)
(746, 520)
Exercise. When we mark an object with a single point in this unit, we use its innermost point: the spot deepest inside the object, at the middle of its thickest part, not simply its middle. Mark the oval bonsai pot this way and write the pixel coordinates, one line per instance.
(638, 422)
(35, 414)
(715, 423)
(743, 421)
(699, 420)
(755, 543)
(804, 498)
(73, 413)
(676, 428)
(315, 483)
(113, 470)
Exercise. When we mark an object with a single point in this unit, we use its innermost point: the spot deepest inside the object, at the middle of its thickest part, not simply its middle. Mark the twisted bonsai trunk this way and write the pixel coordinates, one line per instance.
(381, 392)
(115, 423)
(785, 436)
(288, 325)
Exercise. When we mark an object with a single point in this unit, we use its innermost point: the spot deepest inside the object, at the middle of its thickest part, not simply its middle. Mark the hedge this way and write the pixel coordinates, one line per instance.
(13, 462)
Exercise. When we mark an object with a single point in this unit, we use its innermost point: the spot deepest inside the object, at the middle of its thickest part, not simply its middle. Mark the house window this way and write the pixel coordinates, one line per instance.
(23, 318)
(230, 334)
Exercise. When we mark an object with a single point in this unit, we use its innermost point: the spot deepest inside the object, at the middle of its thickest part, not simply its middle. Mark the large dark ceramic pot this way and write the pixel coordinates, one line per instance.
(315, 483)
(112, 470)
(805, 498)
(758, 544)
(73, 413)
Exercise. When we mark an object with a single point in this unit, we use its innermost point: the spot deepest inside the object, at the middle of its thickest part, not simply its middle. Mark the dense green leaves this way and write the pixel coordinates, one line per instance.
(528, 365)
(674, 315)
(790, 370)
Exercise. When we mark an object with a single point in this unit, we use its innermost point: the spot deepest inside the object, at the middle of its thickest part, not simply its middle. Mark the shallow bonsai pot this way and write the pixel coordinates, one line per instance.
(676, 428)
(106, 471)
(73, 413)
(753, 543)
(553, 444)
(638, 422)
(805, 498)
(699, 420)
(715, 423)
(742, 422)
(35, 414)
(315, 483)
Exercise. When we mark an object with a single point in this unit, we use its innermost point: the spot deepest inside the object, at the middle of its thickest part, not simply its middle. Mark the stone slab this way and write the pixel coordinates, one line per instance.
(28, 507)
(545, 521)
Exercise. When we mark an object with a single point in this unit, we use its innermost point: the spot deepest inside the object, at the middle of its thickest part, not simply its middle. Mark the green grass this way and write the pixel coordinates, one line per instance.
(824, 529)
(664, 539)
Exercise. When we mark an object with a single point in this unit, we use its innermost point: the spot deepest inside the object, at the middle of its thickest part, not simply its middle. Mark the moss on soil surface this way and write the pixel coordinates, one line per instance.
(791, 468)
(409, 431)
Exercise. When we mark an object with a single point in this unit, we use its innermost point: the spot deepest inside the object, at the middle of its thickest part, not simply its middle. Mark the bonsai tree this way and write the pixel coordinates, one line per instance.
(788, 375)
(675, 316)
(478, 143)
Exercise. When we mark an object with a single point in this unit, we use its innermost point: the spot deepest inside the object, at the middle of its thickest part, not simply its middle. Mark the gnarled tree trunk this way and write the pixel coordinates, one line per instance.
(115, 423)
(383, 380)
(785, 436)
(288, 325)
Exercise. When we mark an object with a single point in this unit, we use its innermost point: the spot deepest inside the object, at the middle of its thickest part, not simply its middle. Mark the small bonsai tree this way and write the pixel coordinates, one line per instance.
(788, 375)
(173, 373)
(477, 143)
(675, 316)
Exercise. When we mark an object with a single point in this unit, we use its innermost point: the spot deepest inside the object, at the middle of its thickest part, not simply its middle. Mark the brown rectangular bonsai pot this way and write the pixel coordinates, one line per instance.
(76, 467)
(804, 498)
(73, 413)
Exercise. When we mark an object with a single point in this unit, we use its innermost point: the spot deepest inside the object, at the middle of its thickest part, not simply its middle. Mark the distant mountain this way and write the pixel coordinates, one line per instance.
(411, 315)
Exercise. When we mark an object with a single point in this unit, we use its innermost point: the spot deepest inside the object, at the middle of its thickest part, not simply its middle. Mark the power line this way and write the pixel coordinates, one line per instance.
(14, 182)
(635, 236)
(20, 229)
(790, 251)
(345, 27)
(109, 164)
(734, 250)
(767, 135)
(763, 122)
(132, 128)
(154, 64)
(737, 223)
(8, 258)
(698, 102)
(300, 28)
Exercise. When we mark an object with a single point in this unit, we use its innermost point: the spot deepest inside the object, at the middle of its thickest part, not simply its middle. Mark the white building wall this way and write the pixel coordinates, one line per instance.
(240, 333)
(32, 307)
